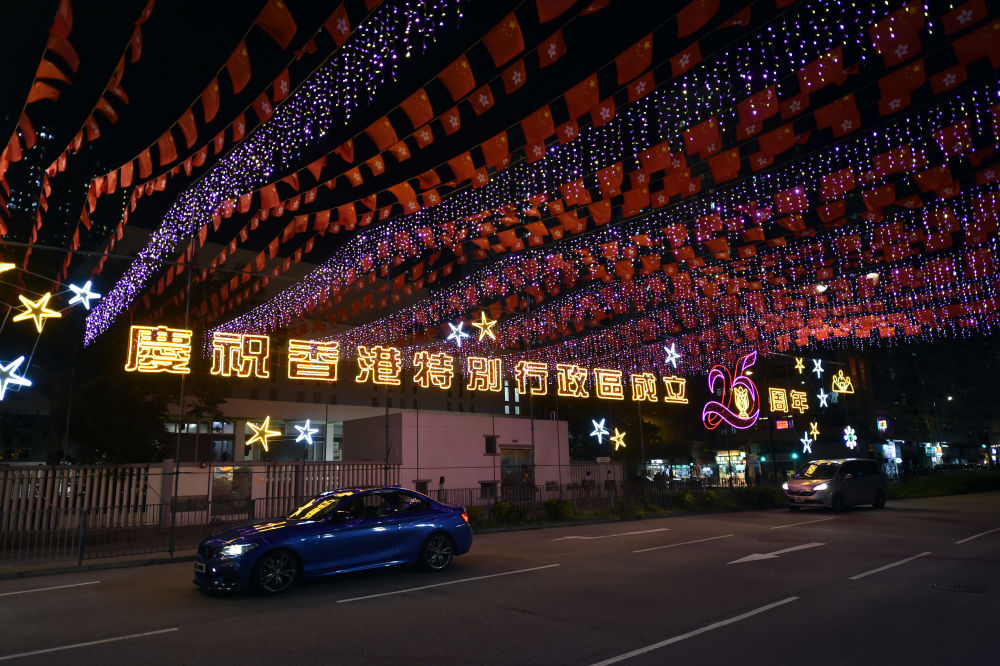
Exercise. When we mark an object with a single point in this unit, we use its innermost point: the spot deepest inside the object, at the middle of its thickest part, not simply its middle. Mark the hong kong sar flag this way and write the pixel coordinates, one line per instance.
(897, 36)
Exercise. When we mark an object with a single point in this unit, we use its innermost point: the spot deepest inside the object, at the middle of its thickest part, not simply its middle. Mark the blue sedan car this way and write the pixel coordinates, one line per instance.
(336, 532)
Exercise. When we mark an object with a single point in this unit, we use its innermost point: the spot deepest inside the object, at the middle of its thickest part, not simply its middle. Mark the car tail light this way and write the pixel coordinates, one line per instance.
(465, 516)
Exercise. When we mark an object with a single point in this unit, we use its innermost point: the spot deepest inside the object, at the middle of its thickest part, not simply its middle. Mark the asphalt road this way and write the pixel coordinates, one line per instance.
(917, 583)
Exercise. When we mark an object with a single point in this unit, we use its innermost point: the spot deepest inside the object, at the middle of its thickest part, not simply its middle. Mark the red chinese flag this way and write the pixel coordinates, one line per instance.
(126, 174)
(382, 133)
(792, 200)
(418, 108)
(504, 41)
(495, 150)
(702, 135)
(238, 66)
(405, 196)
(188, 128)
(551, 49)
(61, 47)
(145, 164)
(210, 100)
(46, 70)
(42, 90)
(827, 69)
(269, 197)
(346, 151)
(903, 80)
(635, 59)
(428, 179)
(609, 180)
(277, 21)
(954, 139)
(983, 43)
(462, 167)
(896, 36)
(338, 25)
(538, 126)
(550, 9)
(685, 60)
(725, 166)
(458, 79)
(656, 158)
(514, 77)
(964, 15)
(837, 184)
(582, 97)
(776, 141)
(167, 149)
(694, 15)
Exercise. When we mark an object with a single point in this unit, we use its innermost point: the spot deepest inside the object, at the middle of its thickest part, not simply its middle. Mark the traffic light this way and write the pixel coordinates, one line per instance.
(795, 456)
(763, 459)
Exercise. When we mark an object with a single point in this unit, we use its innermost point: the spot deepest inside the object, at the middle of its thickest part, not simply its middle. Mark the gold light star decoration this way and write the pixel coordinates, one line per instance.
(814, 428)
(619, 439)
(485, 326)
(37, 310)
(261, 432)
(6, 266)
(799, 365)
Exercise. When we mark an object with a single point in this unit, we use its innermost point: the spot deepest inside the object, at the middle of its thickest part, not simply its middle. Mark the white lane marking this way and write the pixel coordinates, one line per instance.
(773, 554)
(976, 536)
(46, 589)
(683, 543)
(450, 582)
(696, 632)
(19, 655)
(889, 566)
(608, 536)
(781, 527)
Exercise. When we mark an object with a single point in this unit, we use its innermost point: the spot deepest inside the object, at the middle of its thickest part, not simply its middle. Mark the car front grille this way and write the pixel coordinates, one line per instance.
(801, 492)
(206, 552)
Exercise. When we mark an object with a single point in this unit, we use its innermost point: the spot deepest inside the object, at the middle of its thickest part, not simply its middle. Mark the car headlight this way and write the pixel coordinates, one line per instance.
(237, 549)
(821, 486)
(784, 486)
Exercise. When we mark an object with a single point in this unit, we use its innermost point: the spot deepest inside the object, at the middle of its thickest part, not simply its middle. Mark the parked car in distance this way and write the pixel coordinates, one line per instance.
(335, 532)
(836, 484)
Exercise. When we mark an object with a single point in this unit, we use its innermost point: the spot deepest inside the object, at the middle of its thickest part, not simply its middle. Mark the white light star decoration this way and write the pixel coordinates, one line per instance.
(599, 430)
(818, 367)
(306, 433)
(457, 334)
(850, 437)
(8, 376)
(807, 443)
(823, 397)
(672, 354)
(83, 295)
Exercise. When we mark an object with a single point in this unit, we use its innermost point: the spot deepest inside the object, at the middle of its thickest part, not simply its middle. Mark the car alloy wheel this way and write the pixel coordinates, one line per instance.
(276, 571)
(437, 552)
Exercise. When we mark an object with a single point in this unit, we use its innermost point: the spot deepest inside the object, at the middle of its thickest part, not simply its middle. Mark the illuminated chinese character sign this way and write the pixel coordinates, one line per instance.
(739, 402)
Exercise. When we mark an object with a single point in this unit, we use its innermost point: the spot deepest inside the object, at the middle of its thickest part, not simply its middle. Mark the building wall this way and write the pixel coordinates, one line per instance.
(430, 445)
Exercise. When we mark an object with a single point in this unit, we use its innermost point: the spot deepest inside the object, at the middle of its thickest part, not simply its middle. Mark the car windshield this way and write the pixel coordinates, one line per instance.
(817, 470)
(318, 508)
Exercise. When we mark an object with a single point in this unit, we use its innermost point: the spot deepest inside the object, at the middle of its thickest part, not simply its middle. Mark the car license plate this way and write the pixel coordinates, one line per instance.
(199, 567)
(799, 499)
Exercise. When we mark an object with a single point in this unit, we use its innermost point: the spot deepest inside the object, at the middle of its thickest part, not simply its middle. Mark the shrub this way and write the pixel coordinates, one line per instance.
(558, 509)
(508, 512)
(475, 516)
(684, 500)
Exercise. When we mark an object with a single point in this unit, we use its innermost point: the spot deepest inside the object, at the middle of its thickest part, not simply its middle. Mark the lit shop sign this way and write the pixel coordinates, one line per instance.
(154, 349)
(782, 424)
(739, 403)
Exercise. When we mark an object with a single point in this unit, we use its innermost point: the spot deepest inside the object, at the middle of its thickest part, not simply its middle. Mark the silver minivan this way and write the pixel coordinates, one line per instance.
(836, 484)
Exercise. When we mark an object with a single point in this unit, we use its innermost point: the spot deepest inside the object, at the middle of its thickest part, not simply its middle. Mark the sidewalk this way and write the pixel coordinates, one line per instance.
(32, 569)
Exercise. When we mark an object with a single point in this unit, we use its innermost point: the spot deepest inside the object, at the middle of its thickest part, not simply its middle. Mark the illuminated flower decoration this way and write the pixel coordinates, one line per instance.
(457, 334)
(850, 437)
(599, 430)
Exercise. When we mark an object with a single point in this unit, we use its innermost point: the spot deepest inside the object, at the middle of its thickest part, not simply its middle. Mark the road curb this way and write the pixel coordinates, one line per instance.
(94, 566)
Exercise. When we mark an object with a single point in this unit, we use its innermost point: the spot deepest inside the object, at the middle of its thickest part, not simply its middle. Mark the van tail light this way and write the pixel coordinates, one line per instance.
(465, 516)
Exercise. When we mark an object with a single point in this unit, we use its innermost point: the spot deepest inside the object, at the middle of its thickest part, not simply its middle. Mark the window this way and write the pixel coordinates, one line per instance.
(272, 394)
(487, 489)
(411, 503)
(300, 396)
(420, 486)
(511, 399)
(491, 444)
